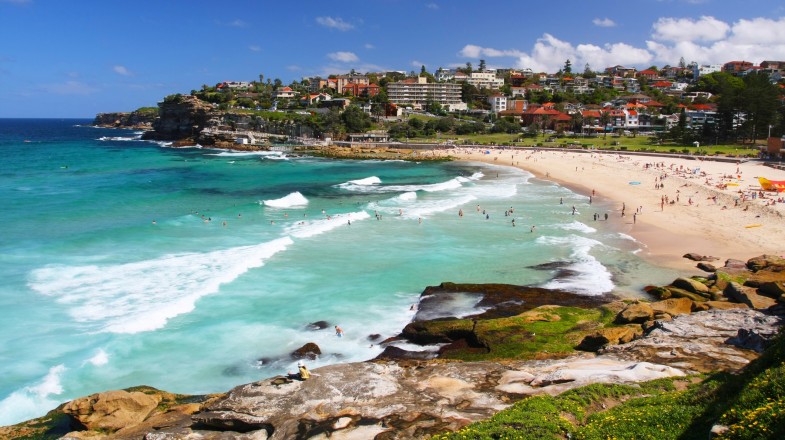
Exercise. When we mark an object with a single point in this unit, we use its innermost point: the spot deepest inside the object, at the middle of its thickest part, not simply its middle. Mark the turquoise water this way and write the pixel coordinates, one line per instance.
(194, 270)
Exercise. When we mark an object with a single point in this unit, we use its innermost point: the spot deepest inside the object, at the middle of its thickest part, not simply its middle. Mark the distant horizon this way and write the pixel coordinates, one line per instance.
(114, 58)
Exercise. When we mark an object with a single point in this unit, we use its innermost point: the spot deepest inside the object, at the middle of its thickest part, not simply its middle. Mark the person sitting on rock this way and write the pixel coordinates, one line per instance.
(302, 372)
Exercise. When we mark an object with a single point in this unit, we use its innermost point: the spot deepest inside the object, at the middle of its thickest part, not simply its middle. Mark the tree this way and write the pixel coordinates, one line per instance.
(482, 66)
(605, 120)
(682, 63)
(355, 119)
(468, 69)
(567, 67)
(422, 69)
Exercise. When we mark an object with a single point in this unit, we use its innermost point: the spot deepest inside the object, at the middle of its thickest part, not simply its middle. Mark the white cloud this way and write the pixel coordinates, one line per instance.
(254, 48)
(433, 6)
(416, 63)
(369, 46)
(473, 51)
(121, 70)
(238, 23)
(335, 23)
(69, 88)
(344, 57)
(604, 22)
(752, 40)
(293, 68)
(686, 29)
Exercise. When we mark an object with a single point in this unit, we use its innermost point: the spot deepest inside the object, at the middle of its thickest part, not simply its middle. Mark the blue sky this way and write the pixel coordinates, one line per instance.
(76, 58)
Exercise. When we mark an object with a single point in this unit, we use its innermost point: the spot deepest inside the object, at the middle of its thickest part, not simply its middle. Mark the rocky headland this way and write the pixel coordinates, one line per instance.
(519, 342)
(141, 119)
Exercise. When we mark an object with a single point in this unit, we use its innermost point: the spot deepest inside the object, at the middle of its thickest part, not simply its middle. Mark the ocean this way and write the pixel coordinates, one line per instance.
(194, 270)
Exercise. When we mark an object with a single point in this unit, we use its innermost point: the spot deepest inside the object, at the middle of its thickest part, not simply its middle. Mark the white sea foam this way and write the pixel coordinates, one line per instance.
(292, 200)
(310, 228)
(590, 276)
(144, 295)
(367, 187)
(626, 237)
(100, 358)
(575, 225)
(452, 304)
(34, 400)
(373, 180)
(407, 196)
(245, 153)
(120, 138)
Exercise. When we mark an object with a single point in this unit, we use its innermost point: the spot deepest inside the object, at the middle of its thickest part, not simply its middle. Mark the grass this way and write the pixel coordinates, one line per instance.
(615, 143)
(751, 405)
(540, 333)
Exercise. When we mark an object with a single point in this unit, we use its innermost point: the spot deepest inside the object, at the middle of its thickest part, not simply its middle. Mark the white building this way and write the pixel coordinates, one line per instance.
(705, 69)
(417, 92)
(498, 102)
(485, 80)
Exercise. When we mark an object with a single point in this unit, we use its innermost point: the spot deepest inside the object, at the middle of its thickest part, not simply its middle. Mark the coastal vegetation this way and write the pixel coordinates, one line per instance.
(750, 405)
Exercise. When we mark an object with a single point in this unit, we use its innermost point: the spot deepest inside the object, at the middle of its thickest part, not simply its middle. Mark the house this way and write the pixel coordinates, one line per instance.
(625, 72)
(648, 74)
(482, 80)
(445, 75)
(736, 67)
(315, 98)
(342, 80)
(284, 92)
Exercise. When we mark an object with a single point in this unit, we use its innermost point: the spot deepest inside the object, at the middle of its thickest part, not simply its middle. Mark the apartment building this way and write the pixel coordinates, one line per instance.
(417, 92)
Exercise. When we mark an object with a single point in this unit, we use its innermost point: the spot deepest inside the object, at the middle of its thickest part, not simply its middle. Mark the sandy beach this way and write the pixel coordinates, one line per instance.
(671, 205)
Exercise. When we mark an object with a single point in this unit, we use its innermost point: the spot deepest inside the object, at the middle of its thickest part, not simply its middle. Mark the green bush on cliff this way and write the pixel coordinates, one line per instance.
(751, 405)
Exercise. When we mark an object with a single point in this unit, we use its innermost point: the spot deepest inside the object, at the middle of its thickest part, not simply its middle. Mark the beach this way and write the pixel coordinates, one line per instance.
(709, 208)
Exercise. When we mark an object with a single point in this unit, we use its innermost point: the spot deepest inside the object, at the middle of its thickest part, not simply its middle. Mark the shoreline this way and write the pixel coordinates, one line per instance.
(696, 223)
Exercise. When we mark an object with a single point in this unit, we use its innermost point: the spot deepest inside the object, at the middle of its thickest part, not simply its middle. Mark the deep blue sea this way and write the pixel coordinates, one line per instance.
(193, 270)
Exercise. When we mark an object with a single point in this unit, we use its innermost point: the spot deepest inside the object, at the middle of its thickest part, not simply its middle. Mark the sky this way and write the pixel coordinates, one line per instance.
(76, 58)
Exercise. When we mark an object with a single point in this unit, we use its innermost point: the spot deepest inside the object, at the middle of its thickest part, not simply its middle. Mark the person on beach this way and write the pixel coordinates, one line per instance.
(533, 228)
(338, 331)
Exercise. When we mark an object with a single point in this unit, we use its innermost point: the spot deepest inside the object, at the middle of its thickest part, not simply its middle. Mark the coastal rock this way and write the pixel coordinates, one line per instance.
(691, 285)
(749, 340)
(318, 325)
(697, 342)
(180, 117)
(308, 351)
(231, 421)
(772, 289)
(673, 306)
(698, 257)
(635, 313)
(141, 119)
(610, 336)
(773, 262)
(725, 305)
(112, 410)
(731, 263)
(707, 267)
(681, 293)
(748, 296)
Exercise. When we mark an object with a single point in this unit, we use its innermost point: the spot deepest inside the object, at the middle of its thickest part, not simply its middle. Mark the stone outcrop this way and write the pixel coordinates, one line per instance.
(142, 120)
(748, 296)
(112, 410)
(635, 313)
(181, 117)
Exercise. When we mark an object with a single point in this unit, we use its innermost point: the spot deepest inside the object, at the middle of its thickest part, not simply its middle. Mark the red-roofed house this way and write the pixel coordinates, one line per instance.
(648, 74)
(661, 85)
(361, 90)
(283, 92)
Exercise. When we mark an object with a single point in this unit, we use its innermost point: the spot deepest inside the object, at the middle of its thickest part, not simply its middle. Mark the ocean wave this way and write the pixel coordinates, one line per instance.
(575, 225)
(588, 275)
(416, 208)
(310, 228)
(143, 296)
(373, 180)
(289, 201)
(121, 138)
(34, 400)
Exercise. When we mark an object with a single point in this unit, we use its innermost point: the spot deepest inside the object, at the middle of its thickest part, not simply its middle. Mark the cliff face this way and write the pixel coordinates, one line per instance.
(180, 118)
(137, 119)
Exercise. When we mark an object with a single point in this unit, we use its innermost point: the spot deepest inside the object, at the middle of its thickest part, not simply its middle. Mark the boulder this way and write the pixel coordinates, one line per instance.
(318, 325)
(637, 313)
(748, 296)
(112, 410)
(725, 305)
(772, 289)
(691, 285)
(730, 263)
(673, 306)
(232, 421)
(681, 293)
(308, 351)
(610, 336)
(659, 292)
(707, 267)
(749, 340)
(698, 257)
(766, 261)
